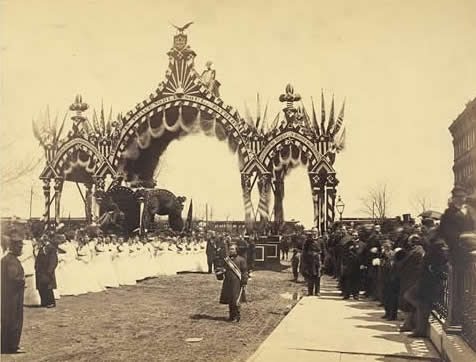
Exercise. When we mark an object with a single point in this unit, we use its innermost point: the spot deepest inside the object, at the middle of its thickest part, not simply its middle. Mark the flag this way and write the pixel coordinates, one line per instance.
(340, 143)
(330, 125)
(323, 113)
(314, 119)
(188, 225)
(340, 120)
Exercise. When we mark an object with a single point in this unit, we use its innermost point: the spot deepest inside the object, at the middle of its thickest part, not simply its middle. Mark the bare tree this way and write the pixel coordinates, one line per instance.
(420, 202)
(17, 170)
(376, 202)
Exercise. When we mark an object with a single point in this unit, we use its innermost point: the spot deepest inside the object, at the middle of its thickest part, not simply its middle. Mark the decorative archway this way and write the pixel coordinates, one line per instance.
(129, 148)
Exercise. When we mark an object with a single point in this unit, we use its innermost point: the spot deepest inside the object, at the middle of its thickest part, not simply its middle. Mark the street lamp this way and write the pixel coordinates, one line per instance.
(340, 207)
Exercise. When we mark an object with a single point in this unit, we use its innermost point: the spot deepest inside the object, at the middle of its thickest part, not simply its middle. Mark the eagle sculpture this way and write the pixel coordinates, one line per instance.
(181, 29)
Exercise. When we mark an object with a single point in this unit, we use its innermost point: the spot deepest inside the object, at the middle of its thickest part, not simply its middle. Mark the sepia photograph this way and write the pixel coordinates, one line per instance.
(247, 181)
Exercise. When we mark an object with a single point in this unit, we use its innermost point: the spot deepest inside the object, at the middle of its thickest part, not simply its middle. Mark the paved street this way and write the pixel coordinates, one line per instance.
(329, 329)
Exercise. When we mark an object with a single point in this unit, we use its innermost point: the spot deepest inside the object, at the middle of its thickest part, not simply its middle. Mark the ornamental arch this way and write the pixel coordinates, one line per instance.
(129, 147)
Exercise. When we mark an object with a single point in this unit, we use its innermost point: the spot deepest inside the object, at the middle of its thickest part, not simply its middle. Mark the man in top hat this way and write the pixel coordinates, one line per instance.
(45, 266)
(13, 287)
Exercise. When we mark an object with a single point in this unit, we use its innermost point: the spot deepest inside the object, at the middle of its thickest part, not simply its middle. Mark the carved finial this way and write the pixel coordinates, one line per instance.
(290, 97)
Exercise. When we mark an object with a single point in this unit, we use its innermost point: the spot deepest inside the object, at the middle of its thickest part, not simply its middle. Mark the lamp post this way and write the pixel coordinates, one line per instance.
(340, 207)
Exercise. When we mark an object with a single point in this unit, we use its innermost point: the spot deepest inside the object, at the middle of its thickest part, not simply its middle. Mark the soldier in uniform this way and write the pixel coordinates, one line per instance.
(211, 252)
(45, 266)
(13, 287)
(236, 278)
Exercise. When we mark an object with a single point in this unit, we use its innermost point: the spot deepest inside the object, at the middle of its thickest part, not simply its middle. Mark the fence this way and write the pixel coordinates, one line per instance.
(456, 307)
(441, 305)
(469, 302)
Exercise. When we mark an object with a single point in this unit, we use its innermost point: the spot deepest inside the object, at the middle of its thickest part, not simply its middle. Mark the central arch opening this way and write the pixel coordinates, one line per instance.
(297, 201)
(204, 170)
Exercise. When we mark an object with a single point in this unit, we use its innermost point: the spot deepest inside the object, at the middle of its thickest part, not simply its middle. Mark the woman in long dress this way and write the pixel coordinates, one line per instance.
(88, 273)
(104, 264)
(27, 259)
(124, 264)
(71, 270)
(61, 273)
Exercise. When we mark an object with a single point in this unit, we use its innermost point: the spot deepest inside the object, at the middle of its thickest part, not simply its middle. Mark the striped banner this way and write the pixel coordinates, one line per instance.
(331, 198)
(264, 198)
(315, 201)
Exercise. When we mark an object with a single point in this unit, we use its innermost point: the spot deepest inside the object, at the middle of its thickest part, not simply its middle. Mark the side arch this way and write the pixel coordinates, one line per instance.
(78, 160)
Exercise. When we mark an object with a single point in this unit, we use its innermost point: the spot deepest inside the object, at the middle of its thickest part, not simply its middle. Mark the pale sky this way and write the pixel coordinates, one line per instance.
(405, 68)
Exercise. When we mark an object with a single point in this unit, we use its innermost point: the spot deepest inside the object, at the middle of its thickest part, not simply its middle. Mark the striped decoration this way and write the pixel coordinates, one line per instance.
(264, 197)
(46, 193)
(331, 199)
(315, 202)
(246, 188)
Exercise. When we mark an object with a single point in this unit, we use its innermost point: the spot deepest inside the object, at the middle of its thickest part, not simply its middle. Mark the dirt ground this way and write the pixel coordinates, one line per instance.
(150, 321)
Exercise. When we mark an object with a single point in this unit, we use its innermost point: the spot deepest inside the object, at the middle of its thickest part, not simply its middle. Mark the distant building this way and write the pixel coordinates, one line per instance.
(464, 140)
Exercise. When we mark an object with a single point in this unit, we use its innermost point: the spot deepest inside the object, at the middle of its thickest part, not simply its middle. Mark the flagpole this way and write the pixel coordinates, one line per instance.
(31, 199)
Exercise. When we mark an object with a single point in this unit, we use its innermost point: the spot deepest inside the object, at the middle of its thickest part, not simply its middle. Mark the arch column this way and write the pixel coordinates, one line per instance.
(99, 184)
(264, 187)
(47, 195)
(248, 205)
(318, 182)
(331, 193)
(58, 187)
(278, 200)
(88, 205)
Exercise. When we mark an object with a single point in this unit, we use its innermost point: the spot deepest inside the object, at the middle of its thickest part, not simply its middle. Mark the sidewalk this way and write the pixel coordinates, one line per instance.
(330, 329)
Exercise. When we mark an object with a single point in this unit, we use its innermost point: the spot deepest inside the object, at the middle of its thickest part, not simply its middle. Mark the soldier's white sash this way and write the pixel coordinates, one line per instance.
(234, 268)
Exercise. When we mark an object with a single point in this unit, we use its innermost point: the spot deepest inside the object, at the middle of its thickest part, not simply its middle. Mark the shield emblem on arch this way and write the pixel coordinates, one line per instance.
(180, 41)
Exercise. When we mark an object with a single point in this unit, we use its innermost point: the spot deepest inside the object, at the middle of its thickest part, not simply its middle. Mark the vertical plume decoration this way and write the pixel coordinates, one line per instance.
(109, 122)
(323, 113)
(248, 117)
(95, 122)
(103, 120)
(331, 117)
(314, 118)
(265, 114)
(340, 120)
(258, 111)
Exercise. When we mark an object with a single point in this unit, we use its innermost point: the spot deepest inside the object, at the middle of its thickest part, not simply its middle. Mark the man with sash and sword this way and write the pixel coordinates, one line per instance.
(236, 278)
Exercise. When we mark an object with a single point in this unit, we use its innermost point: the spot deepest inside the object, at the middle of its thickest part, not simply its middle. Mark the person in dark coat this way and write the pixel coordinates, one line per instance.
(296, 257)
(211, 251)
(13, 287)
(409, 271)
(242, 245)
(343, 240)
(284, 246)
(431, 283)
(236, 278)
(311, 265)
(45, 266)
(391, 282)
(372, 251)
(250, 260)
(352, 267)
